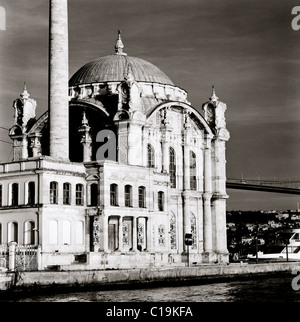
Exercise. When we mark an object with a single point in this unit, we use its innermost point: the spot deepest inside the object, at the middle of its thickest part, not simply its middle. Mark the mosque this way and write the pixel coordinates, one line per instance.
(119, 170)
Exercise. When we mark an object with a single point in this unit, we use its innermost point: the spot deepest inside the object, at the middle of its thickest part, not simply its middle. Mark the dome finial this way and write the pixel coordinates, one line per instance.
(25, 94)
(214, 97)
(119, 45)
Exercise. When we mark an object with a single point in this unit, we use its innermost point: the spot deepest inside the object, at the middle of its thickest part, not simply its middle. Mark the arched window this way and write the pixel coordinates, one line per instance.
(12, 235)
(193, 230)
(114, 194)
(128, 196)
(67, 193)
(79, 195)
(53, 192)
(193, 171)
(151, 156)
(94, 194)
(172, 168)
(29, 232)
(173, 231)
(161, 200)
(15, 194)
(31, 193)
(142, 197)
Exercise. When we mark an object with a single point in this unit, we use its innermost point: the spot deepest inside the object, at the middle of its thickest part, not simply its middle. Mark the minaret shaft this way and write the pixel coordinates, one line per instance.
(58, 80)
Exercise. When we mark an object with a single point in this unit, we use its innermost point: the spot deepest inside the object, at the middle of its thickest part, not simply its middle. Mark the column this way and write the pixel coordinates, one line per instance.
(134, 234)
(59, 80)
(12, 256)
(105, 233)
(207, 224)
(186, 217)
(87, 233)
(24, 147)
(186, 167)
(147, 233)
(120, 233)
(134, 144)
(165, 152)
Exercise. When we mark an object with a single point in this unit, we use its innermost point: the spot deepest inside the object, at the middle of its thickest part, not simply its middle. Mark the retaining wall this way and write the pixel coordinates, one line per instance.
(69, 279)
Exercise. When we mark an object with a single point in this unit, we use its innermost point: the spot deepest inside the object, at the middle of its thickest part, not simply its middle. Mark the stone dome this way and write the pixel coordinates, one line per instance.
(113, 68)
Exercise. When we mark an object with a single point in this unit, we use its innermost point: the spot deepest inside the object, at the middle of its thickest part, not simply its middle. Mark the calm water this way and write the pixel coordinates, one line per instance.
(274, 289)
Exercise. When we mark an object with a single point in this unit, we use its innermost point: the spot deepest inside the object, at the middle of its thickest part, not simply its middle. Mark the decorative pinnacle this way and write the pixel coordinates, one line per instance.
(84, 119)
(119, 45)
(214, 97)
(25, 94)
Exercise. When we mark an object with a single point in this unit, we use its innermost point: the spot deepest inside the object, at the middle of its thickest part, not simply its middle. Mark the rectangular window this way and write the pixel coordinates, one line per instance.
(160, 201)
(53, 193)
(15, 194)
(31, 193)
(128, 196)
(172, 168)
(142, 197)
(113, 195)
(94, 194)
(79, 195)
(67, 194)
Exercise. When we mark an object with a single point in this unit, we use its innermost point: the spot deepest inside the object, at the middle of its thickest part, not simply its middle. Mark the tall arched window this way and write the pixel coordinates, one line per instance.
(12, 235)
(151, 156)
(160, 200)
(172, 168)
(53, 192)
(67, 193)
(94, 194)
(15, 194)
(31, 193)
(128, 196)
(79, 195)
(193, 171)
(29, 232)
(142, 197)
(114, 194)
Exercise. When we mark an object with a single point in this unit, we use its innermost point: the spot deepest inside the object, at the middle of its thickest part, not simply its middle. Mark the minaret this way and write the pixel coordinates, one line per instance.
(58, 80)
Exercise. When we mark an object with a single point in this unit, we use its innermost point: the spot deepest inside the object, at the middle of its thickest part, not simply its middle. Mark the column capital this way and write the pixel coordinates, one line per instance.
(207, 196)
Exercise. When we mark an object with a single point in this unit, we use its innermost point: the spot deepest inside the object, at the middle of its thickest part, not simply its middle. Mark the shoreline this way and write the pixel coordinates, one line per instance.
(24, 284)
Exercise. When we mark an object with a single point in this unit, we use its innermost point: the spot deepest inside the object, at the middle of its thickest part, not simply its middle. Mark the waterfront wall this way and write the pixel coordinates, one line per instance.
(80, 279)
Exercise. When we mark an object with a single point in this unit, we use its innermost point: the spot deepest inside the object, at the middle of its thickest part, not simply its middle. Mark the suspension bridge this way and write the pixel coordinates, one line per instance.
(290, 186)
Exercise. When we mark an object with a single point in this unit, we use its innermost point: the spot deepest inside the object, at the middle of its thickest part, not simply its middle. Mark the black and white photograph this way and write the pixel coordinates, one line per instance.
(149, 154)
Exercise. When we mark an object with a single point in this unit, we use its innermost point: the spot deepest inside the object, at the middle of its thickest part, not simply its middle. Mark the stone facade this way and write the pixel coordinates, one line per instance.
(143, 169)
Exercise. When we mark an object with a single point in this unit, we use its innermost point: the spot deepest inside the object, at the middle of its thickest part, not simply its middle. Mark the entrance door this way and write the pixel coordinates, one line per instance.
(111, 237)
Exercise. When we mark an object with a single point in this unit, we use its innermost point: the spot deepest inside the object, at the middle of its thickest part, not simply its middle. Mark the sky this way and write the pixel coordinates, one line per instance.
(247, 49)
